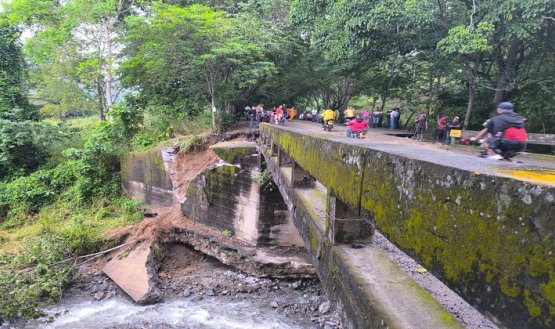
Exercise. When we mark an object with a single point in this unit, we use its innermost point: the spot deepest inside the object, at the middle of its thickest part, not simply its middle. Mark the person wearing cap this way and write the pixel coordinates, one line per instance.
(453, 124)
(508, 131)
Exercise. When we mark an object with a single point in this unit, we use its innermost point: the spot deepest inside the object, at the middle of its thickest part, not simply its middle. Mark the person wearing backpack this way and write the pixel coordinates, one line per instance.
(508, 131)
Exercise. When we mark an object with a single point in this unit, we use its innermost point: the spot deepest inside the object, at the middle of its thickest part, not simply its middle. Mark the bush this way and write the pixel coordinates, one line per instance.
(193, 143)
(34, 276)
(88, 172)
(82, 238)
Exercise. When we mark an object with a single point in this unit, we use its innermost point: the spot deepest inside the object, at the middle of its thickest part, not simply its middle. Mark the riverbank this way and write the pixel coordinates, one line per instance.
(198, 292)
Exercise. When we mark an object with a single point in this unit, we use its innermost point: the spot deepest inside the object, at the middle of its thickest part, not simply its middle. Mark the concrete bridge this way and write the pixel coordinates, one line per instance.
(485, 228)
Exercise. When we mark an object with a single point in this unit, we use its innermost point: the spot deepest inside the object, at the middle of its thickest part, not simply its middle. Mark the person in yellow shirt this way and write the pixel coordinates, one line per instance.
(328, 115)
(350, 113)
(292, 113)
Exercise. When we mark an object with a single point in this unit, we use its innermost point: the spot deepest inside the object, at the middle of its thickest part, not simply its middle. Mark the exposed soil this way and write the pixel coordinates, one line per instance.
(187, 166)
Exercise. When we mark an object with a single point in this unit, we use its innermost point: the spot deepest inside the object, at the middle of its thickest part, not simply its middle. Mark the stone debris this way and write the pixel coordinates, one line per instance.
(99, 295)
(324, 308)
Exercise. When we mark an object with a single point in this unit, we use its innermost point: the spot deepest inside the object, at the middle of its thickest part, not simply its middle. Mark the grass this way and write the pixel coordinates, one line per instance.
(83, 228)
(77, 122)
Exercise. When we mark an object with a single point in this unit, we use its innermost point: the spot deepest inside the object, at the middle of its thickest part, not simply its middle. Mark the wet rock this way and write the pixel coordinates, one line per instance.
(99, 295)
(210, 292)
(186, 293)
(324, 308)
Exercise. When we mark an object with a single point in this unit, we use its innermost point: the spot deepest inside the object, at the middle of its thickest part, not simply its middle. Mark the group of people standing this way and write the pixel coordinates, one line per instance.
(277, 115)
(444, 127)
(376, 116)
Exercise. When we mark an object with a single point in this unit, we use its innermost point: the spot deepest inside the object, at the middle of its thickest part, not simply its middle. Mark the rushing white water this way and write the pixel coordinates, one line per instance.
(119, 311)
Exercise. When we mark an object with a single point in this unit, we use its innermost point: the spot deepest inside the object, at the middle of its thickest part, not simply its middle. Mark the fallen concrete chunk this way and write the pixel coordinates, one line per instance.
(134, 271)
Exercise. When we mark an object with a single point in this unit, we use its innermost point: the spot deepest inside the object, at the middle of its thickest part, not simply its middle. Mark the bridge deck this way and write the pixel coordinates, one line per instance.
(460, 157)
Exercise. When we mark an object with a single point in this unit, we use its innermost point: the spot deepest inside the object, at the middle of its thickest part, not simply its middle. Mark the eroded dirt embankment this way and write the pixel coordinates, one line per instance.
(188, 260)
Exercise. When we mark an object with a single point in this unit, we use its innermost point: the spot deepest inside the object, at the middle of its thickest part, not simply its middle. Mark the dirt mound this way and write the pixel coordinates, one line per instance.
(183, 169)
(187, 166)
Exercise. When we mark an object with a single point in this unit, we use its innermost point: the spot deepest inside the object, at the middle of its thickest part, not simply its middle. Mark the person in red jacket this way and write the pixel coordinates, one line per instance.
(278, 114)
(507, 132)
(358, 124)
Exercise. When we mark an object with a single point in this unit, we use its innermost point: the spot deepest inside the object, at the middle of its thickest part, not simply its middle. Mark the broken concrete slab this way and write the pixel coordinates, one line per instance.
(134, 271)
(272, 262)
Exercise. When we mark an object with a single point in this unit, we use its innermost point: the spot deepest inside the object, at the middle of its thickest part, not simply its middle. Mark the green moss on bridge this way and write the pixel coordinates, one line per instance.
(490, 238)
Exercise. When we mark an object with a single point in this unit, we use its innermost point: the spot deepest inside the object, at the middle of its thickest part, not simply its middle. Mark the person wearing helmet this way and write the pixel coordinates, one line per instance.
(508, 131)
(358, 124)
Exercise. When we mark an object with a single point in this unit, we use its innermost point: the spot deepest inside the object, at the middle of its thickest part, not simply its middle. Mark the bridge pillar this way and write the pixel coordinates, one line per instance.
(284, 159)
(301, 178)
(274, 150)
(345, 225)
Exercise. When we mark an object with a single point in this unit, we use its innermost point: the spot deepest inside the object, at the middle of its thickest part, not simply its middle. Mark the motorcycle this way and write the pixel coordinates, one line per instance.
(328, 125)
(358, 134)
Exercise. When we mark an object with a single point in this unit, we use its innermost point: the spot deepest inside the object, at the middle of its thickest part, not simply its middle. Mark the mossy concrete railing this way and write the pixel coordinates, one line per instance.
(488, 236)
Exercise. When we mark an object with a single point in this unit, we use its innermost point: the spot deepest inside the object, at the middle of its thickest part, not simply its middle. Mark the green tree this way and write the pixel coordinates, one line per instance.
(13, 100)
(196, 52)
(78, 34)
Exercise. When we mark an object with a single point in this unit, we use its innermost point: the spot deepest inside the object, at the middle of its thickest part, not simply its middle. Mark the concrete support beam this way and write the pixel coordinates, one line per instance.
(274, 150)
(301, 178)
(284, 159)
(371, 291)
(345, 225)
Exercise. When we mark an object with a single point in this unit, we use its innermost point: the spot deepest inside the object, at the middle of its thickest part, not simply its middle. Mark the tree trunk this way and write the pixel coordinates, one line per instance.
(346, 92)
(506, 70)
(384, 101)
(394, 66)
(430, 91)
(213, 103)
(471, 91)
(108, 65)
(100, 98)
